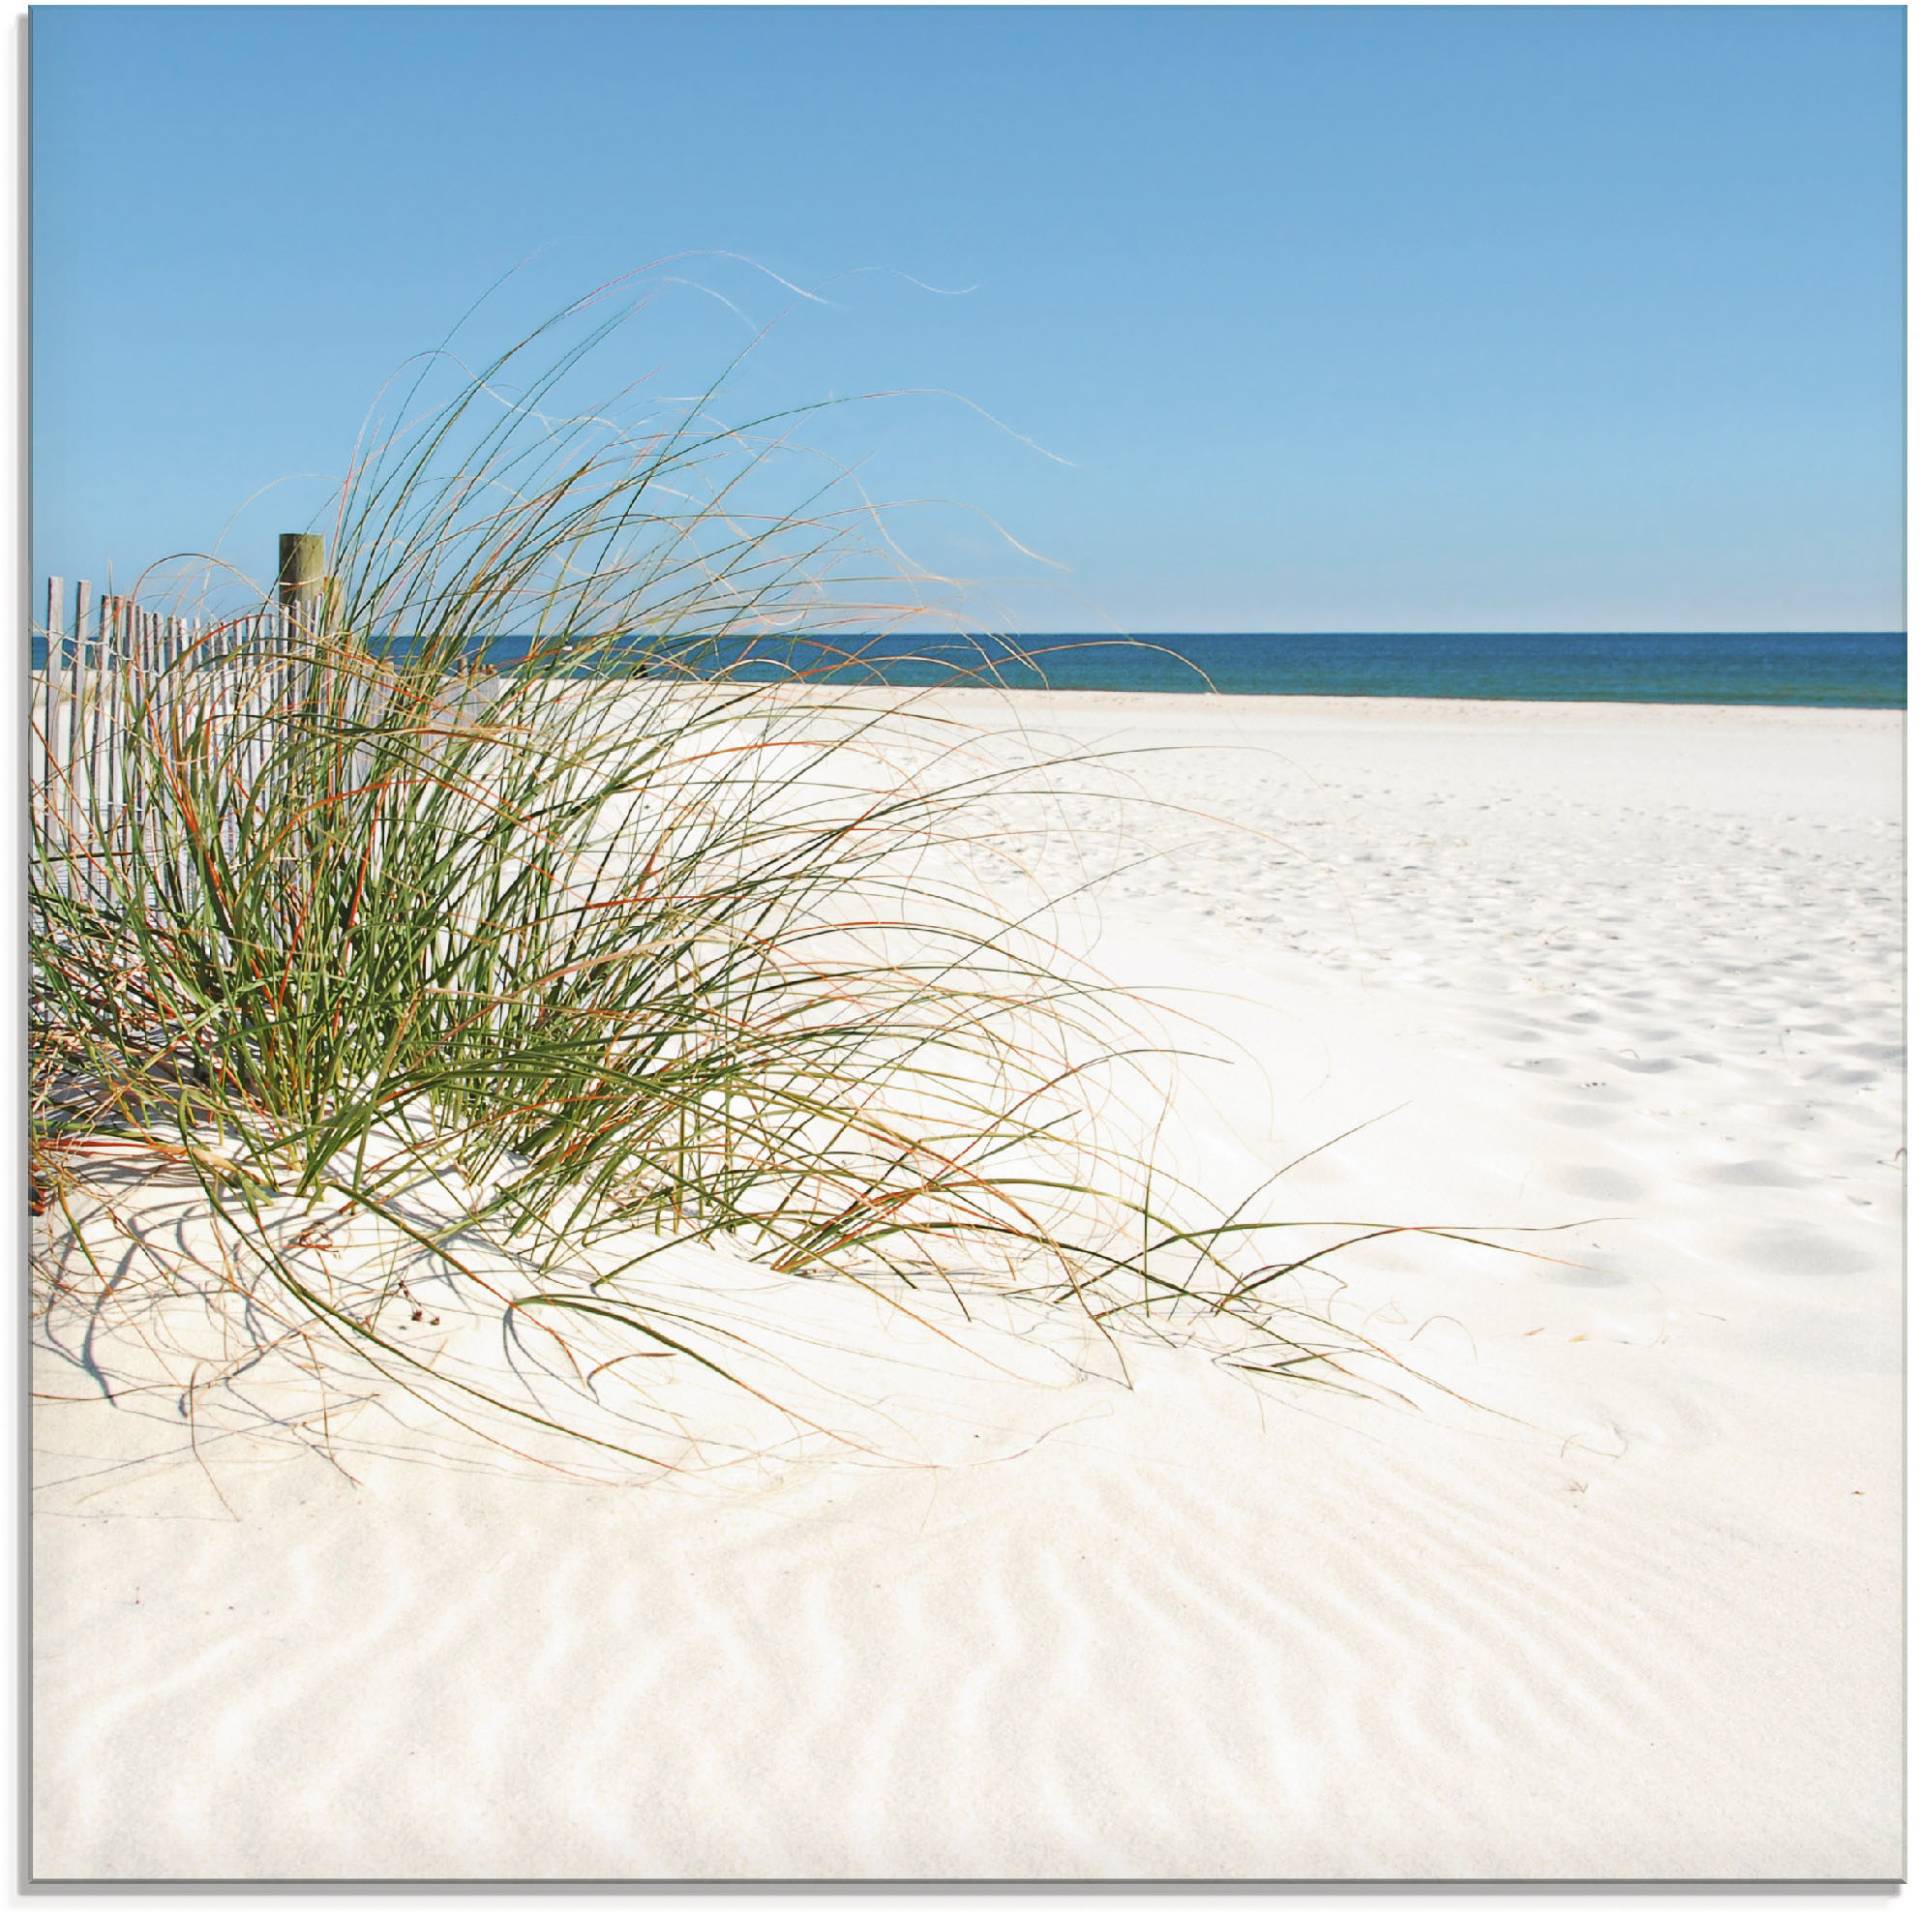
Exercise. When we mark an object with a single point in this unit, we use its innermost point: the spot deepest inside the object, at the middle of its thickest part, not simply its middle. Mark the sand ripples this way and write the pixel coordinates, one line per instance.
(1646, 1623)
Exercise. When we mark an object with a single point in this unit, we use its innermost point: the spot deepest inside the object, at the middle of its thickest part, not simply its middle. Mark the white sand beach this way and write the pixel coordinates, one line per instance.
(1627, 1607)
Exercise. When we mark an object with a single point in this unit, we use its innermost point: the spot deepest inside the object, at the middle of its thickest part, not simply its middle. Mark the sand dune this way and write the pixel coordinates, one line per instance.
(1630, 975)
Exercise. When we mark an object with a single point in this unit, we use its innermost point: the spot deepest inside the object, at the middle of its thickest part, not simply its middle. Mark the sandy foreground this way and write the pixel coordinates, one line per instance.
(1634, 1612)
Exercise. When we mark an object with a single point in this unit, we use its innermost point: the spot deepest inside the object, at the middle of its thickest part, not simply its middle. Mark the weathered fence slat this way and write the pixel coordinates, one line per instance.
(41, 756)
(60, 772)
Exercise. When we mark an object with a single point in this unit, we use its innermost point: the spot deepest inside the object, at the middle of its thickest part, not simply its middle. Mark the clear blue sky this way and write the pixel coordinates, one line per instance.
(1399, 319)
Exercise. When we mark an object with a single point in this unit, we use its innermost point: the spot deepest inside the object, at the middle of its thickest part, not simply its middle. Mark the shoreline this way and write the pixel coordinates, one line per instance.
(1060, 700)
(1314, 703)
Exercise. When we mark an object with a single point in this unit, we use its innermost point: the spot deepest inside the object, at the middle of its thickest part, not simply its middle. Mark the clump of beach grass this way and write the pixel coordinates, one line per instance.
(493, 907)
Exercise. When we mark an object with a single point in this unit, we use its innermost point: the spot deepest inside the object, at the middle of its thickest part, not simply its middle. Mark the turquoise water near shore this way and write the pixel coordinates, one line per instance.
(1846, 669)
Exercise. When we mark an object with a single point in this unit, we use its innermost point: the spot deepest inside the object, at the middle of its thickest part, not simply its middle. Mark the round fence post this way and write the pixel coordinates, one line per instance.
(303, 565)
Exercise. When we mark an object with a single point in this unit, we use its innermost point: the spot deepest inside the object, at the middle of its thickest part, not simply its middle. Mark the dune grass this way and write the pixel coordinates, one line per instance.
(610, 947)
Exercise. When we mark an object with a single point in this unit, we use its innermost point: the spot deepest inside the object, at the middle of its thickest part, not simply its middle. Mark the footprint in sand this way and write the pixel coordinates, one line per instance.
(1801, 1250)
(1578, 1115)
(1753, 1174)
(1598, 1183)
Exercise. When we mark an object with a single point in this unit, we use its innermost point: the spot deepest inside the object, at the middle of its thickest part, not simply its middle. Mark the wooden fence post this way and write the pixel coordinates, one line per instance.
(303, 567)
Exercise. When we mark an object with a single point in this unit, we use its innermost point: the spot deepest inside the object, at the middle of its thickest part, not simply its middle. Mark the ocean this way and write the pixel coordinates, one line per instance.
(1861, 670)
(1841, 669)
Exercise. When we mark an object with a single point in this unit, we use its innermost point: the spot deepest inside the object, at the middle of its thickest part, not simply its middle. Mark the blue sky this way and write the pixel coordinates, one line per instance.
(1402, 319)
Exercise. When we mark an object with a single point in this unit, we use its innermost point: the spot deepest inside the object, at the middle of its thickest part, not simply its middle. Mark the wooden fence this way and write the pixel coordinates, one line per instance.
(111, 662)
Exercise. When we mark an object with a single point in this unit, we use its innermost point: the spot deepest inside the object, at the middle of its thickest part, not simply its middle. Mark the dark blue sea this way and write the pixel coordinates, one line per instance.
(1853, 669)
(1864, 670)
